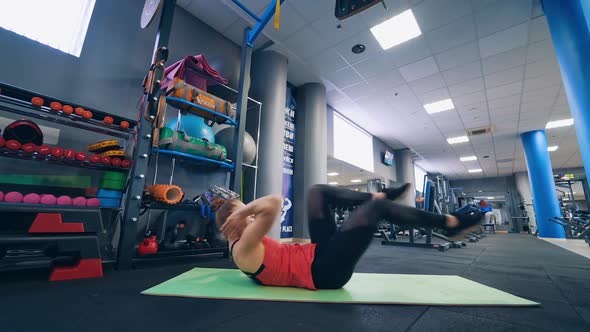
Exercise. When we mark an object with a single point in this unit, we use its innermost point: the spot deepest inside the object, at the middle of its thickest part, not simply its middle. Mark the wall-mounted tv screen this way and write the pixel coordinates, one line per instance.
(388, 158)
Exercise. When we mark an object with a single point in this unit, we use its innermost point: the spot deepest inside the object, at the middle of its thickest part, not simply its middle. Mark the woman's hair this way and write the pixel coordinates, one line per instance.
(225, 210)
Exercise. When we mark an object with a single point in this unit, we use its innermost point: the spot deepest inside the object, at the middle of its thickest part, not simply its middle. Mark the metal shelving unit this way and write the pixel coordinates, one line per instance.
(36, 235)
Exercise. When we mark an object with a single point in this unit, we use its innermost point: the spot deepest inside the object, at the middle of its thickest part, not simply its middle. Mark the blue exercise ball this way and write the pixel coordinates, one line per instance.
(194, 126)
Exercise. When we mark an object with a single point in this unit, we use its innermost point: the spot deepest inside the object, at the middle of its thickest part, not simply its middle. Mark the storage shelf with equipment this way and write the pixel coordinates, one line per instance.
(179, 103)
(196, 159)
(206, 161)
(59, 161)
(62, 232)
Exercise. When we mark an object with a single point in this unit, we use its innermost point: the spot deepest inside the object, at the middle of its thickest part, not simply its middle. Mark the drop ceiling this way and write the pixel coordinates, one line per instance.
(494, 59)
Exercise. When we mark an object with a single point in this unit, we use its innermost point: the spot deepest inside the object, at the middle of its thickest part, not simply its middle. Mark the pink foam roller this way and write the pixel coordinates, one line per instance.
(13, 197)
(64, 200)
(1, 196)
(93, 202)
(79, 201)
(32, 199)
(48, 199)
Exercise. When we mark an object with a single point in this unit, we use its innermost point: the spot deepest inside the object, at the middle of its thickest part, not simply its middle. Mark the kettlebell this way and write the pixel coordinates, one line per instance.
(148, 246)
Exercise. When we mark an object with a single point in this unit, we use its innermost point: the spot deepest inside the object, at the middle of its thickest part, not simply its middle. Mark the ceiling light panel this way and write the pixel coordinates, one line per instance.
(396, 30)
(559, 123)
(457, 140)
(439, 106)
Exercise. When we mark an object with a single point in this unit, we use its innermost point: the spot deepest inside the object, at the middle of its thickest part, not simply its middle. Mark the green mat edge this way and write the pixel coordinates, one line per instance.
(528, 303)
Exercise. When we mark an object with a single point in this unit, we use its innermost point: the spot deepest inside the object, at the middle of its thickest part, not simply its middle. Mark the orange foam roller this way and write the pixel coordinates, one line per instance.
(165, 193)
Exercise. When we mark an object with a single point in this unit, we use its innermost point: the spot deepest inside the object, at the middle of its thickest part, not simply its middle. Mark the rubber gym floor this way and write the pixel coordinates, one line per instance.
(519, 264)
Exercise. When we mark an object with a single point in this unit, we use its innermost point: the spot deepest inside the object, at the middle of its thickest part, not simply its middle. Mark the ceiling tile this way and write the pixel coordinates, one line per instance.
(373, 67)
(378, 14)
(503, 61)
(216, 16)
(470, 108)
(454, 34)
(419, 69)
(504, 40)
(328, 61)
(357, 91)
(410, 51)
(505, 15)
(538, 29)
(365, 38)
(504, 90)
(469, 99)
(291, 21)
(435, 95)
(386, 80)
(504, 77)
(543, 67)
(311, 10)
(542, 50)
(333, 31)
(500, 103)
(427, 84)
(432, 14)
(343, 78)
(457, 56)
(305, 42)
(541, 82)
(467, 87)
(405, 99)
(544, 95)
(333, 96)
(462, 73)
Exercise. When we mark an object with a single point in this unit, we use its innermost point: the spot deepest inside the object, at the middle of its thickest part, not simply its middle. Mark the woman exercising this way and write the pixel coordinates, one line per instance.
(329, 260)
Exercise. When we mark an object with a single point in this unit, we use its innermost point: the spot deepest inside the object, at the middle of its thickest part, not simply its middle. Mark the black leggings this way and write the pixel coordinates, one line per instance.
(337, 252)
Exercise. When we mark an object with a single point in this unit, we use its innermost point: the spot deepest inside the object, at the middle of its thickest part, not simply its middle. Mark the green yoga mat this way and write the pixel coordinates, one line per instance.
(365, 288)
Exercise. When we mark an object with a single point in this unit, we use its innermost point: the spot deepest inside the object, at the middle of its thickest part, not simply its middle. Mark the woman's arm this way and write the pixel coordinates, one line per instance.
(266, 211)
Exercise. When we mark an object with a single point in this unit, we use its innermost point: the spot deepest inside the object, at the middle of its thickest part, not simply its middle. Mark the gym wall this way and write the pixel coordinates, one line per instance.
(108, 75)
(379, 147)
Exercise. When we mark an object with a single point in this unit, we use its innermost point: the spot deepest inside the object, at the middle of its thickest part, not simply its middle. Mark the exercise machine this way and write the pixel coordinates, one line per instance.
(392, 238)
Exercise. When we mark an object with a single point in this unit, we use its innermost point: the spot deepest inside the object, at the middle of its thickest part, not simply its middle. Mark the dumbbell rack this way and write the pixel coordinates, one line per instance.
(63, 238)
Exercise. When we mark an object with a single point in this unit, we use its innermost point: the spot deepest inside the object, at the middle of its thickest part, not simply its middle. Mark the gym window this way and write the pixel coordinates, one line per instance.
(419, 175)
(352, 144)
(60, 24)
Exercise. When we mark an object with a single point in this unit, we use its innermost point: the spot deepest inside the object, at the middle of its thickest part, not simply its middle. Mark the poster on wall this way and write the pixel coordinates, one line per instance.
(288, 167)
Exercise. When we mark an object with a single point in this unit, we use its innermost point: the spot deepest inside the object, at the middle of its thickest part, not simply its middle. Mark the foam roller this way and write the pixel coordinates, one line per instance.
(169, 194)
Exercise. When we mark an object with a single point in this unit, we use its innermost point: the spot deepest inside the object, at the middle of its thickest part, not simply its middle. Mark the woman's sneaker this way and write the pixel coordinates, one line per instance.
(394, 193)
(470, 219)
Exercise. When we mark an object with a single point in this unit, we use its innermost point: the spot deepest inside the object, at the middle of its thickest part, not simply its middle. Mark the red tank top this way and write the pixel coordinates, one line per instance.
(287, 264)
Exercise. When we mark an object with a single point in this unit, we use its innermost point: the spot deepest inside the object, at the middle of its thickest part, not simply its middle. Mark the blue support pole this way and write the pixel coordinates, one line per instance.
(257, 29)
(542, 184)
(569, 24)
(248, 11)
